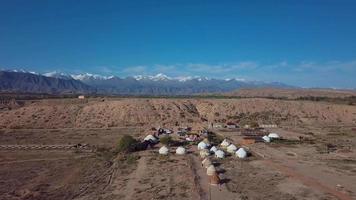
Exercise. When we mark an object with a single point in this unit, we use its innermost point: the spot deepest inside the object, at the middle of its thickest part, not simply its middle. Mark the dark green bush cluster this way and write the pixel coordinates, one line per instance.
(125, 144)
(166, 140)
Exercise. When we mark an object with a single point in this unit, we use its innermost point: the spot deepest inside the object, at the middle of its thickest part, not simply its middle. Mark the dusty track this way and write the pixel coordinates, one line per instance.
(306, 180)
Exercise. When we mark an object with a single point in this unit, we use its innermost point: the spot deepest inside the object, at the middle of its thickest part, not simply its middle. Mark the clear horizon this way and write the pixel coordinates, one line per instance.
(304, 43)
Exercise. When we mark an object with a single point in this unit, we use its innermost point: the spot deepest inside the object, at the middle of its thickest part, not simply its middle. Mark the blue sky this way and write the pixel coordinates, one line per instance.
(310, 43)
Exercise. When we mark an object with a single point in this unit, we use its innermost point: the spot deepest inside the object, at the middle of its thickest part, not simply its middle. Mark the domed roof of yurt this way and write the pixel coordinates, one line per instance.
(219, 154)
(266, 138)
(225, 143)
(202, 145)
(163, 150)
(210, 170)
(204, 153)
(213, 149)
(241, 153)
(231, 148)
(180, 151)
(273, 135)
(150, 137)
(206, 162)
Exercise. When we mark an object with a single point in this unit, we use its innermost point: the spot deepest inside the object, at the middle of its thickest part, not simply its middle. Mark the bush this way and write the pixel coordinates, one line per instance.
(166, 140)
(125, 144)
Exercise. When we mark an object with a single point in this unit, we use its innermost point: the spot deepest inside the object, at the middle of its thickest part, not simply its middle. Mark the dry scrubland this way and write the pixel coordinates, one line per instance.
(154, 112)
(321, 167)
(293, 93)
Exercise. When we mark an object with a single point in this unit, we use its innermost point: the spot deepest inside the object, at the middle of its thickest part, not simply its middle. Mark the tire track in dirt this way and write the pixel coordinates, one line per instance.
(308, 181)
(133, 179)
(44, 159)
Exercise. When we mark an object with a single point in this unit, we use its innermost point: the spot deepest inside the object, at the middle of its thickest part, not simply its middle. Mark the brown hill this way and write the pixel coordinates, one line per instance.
(69, 113)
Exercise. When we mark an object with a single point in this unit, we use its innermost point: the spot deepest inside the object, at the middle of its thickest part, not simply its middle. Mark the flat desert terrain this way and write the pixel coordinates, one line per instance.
(64, 149)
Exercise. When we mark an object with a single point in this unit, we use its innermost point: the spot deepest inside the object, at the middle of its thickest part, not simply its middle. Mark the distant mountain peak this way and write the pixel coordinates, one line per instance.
(157, 77)
(57, 74)
(80, 77)
(159, 84)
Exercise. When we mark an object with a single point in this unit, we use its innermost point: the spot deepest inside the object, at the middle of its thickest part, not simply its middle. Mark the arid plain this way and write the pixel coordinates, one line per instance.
(63, 149)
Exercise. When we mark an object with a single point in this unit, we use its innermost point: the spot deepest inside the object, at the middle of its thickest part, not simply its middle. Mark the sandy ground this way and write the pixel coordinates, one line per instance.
(309, 172)
(168, 112)
(302, 170)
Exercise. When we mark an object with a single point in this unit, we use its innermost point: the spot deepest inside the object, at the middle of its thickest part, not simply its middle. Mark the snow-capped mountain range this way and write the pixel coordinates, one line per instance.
(160, 84)
(157, 77)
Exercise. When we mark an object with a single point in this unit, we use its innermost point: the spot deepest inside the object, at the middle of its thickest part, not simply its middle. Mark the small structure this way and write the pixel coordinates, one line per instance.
(151, 138)
(219, 154)
(225, 143)
(273, 136)
(181, 133)
(81, 97)
(268, 126)
(241, 153)
(202, 145)
(161, 131)
(217, 125)
(204, 153)
(231, 148)
(266, 139)
(213, 149)
(231, 125)
(206, 162)
(163, 150)
(180, 151)
(192, 138)
(210, 170)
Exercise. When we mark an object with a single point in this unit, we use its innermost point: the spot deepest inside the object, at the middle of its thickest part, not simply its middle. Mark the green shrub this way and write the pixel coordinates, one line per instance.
(166, 140)
(125, 144)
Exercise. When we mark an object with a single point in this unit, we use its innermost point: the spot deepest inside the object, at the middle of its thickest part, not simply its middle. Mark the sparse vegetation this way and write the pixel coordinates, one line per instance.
(125, 144)
(166, 140)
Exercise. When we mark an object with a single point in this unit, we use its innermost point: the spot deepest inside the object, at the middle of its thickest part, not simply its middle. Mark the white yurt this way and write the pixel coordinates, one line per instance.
(150, 137)
(204, 153)
(206, 162)
(213, 149)
(273, 136)
(241, 153)
(202, 145)
(225, 143)
(163, 150)
(219, 154)
(266, 138)
(210, 170)
(231, 148)
(180, 151)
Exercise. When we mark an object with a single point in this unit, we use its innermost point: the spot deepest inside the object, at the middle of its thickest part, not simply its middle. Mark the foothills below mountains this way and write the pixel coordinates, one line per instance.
(59, 83)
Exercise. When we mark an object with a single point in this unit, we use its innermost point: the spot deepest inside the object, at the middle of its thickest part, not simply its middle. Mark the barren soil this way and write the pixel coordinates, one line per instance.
(320, 167)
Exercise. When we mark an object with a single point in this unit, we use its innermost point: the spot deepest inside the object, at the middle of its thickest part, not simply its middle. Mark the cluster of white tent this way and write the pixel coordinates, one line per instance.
(272, 136)
(179, 151)
(203, 146)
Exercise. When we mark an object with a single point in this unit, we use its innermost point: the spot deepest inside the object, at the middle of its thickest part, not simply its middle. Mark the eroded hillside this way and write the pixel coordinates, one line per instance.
(97, 113)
